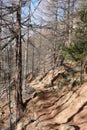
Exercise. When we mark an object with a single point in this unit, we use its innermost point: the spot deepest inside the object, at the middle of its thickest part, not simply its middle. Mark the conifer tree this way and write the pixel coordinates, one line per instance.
(77, 50)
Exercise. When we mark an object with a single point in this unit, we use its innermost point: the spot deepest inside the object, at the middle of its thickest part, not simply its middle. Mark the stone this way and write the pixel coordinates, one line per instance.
(66, 127)
(19, 126)
(30, 90)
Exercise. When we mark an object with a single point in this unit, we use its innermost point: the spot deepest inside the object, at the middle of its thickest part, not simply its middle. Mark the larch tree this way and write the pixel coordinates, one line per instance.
(19, 100)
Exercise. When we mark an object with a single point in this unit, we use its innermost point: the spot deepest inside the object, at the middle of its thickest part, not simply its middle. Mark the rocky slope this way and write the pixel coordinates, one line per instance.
(51, 105)
(56, 106)
(51, 110)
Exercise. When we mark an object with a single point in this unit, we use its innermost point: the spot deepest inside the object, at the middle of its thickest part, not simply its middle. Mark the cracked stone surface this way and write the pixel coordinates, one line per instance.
(48, 108)
(67, 111)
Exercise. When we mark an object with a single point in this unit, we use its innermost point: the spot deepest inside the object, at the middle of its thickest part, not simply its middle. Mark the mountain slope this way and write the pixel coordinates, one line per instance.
(52, 111)
(49, 105)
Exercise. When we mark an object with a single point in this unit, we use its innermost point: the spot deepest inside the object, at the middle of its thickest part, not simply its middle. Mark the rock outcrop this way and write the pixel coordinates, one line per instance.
(49, 105)
(54, 110)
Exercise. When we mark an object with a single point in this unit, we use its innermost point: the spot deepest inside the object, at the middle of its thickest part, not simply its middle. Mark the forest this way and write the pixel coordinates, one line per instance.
(43, 64)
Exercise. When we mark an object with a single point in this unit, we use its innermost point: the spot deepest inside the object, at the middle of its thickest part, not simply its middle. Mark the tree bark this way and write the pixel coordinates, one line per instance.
(19, 102)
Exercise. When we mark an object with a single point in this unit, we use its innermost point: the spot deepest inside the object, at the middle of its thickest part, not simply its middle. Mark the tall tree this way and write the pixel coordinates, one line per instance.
(19, 62)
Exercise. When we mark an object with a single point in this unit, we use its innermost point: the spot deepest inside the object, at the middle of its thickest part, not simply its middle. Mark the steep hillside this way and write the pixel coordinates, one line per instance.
(54, 101)
(53, 110)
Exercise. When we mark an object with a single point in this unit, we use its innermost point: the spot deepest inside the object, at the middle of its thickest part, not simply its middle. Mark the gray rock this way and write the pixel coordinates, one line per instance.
(0, 114)
(30, 90)
(60, 84)
(55, 87)
(68, 127)
(68, 79)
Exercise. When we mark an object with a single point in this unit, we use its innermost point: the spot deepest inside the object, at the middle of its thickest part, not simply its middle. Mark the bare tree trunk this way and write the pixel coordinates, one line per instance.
(28, 39)
(0, 37)
(9, 91)
(26, 57)
(82, 71)
(32, 61)
(19, 64)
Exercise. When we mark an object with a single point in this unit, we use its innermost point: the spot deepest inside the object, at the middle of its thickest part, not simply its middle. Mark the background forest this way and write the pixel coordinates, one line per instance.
(45, 27)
